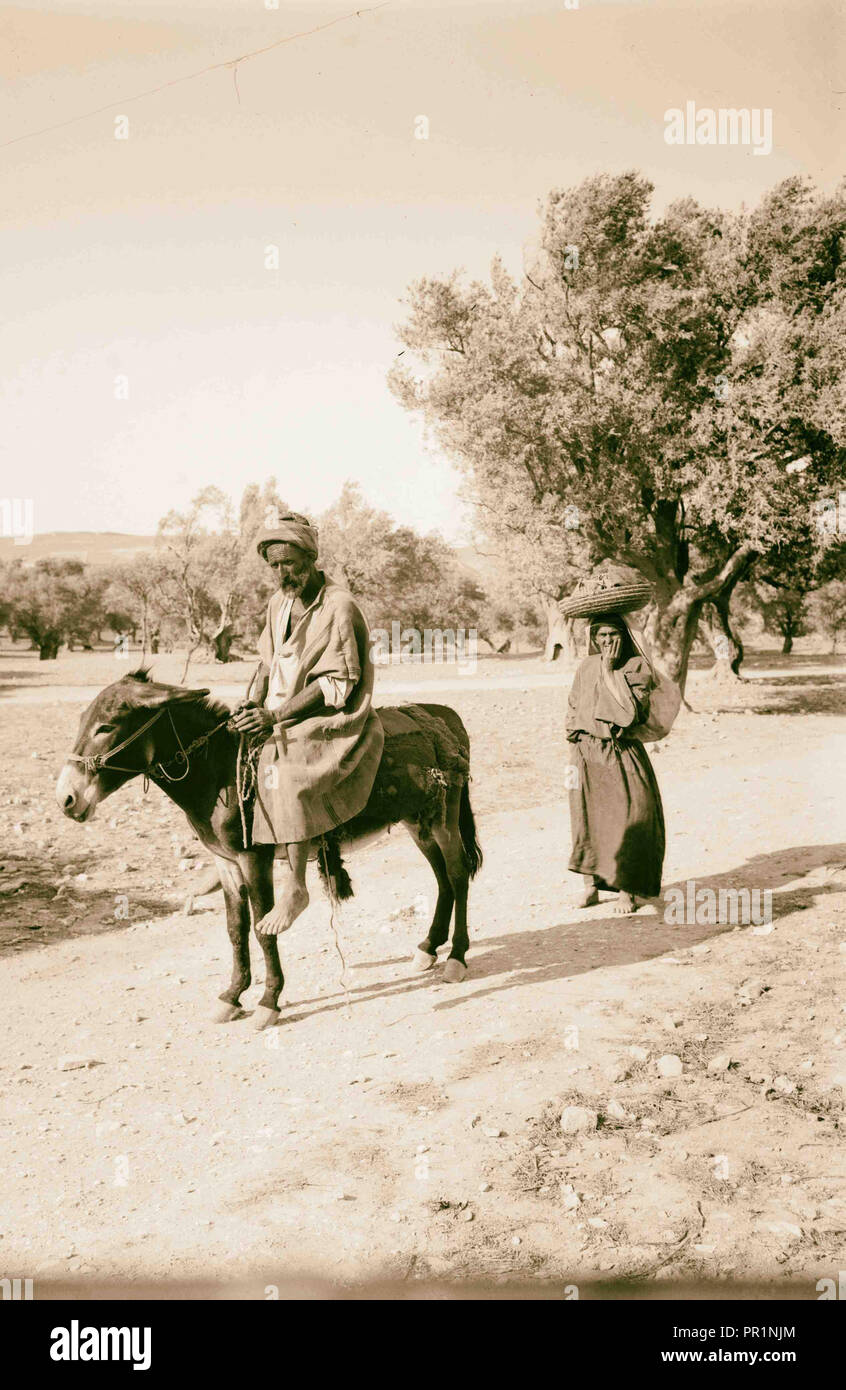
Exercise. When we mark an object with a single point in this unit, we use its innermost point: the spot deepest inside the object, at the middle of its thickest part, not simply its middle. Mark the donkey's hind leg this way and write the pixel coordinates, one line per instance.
(238, 927)
(426, 954)
(448, 838)
(257, 868)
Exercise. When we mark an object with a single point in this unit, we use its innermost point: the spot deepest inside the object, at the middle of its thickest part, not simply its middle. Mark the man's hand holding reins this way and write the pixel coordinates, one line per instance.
(250, 718)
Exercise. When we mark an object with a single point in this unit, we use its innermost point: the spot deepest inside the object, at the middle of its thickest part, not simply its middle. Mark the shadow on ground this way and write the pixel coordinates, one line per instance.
(789, 694)
(31, 916)
(597, 940)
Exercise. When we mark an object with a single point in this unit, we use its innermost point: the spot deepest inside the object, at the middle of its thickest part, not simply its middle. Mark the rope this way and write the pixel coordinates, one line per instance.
(239, 788)
(195, 743)
(246, 777)
(94, 762)
(181, 756)
(333, 904)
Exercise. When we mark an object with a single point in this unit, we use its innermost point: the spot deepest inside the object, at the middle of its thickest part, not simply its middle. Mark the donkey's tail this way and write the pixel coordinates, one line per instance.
(332, 869)
(208, 881)
(467, 829)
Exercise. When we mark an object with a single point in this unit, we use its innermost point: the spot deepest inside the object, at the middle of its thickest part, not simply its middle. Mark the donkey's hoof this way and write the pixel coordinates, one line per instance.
(265, 1017)
(454, 971)
(421, 960)
(225, 1013)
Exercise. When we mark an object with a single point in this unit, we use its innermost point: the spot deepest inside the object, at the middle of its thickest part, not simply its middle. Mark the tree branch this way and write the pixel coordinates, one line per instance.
(731, 570)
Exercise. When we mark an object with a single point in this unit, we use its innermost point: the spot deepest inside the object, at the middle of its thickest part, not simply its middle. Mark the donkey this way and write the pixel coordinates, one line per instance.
(181, 740)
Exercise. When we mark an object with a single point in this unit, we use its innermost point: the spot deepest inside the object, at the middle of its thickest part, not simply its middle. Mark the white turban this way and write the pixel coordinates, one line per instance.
(292, 529)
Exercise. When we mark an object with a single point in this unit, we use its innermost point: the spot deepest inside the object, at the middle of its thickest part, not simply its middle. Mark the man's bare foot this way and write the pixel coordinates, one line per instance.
(293, 901)
(625, 905)
(589, 898)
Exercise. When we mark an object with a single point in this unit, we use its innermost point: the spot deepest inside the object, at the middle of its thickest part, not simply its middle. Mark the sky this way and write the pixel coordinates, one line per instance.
(147, 350)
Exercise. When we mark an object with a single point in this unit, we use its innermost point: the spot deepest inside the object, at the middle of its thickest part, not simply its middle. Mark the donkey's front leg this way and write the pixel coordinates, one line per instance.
(257, 868)
(448, 837)
(238, 927)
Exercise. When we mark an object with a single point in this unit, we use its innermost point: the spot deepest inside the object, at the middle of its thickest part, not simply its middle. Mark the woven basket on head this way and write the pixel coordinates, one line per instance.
(609, 588)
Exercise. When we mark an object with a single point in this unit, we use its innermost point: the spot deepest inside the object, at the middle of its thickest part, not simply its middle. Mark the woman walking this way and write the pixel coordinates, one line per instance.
(615, 806)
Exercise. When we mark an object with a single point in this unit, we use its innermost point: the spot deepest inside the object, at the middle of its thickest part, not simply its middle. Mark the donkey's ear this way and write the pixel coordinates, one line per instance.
(142, 695)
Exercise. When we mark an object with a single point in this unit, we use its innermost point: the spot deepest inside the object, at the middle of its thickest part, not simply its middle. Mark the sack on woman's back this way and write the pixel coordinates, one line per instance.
(664, 705)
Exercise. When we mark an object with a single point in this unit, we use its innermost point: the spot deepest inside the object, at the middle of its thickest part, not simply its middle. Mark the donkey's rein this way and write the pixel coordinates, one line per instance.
(94, 762)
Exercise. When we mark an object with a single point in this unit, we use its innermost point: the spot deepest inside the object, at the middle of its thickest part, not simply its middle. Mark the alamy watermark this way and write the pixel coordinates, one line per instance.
(832, 1289)
(829, 515)
(16, 519)
(456, 646)
(83, 1343)
(16, 1290)
(724, 126)
(709, 907)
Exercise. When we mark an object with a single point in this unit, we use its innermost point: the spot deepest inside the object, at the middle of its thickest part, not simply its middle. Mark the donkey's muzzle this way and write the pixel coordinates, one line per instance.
(76, 793)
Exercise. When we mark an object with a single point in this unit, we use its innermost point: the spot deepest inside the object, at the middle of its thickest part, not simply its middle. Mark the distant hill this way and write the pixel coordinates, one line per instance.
(92, 547)
(109, 547)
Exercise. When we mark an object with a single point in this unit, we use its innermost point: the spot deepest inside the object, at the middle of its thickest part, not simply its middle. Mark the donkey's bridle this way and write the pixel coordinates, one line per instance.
(95, 762)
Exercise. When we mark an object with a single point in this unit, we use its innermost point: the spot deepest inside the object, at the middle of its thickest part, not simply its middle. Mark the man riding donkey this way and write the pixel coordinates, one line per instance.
(311, 700)
(304, 761)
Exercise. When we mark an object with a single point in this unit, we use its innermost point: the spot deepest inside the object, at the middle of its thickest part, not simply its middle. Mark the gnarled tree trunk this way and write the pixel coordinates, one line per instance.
(561, 637)
(673, 625)
(670, 631)
(222, 642)
(48, 646)
(715, 624)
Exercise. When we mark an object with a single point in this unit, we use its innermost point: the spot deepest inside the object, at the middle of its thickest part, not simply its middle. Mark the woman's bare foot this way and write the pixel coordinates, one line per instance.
(589, 896)
(625, 905)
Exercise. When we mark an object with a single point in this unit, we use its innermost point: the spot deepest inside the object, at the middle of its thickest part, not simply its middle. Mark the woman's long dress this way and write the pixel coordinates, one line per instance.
(616, 814)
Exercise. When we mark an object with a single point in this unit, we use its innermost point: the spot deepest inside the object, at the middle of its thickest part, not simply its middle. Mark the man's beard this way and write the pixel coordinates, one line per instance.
(293, 584)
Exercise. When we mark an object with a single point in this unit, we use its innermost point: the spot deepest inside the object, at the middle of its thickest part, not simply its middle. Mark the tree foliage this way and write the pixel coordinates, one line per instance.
(141, 594)
(677, 380)
(397, 574)
(828, 610)
(52, 602)
(218, 583)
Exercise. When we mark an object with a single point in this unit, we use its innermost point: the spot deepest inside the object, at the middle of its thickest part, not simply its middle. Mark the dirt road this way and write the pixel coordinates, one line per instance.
(395, 1124)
